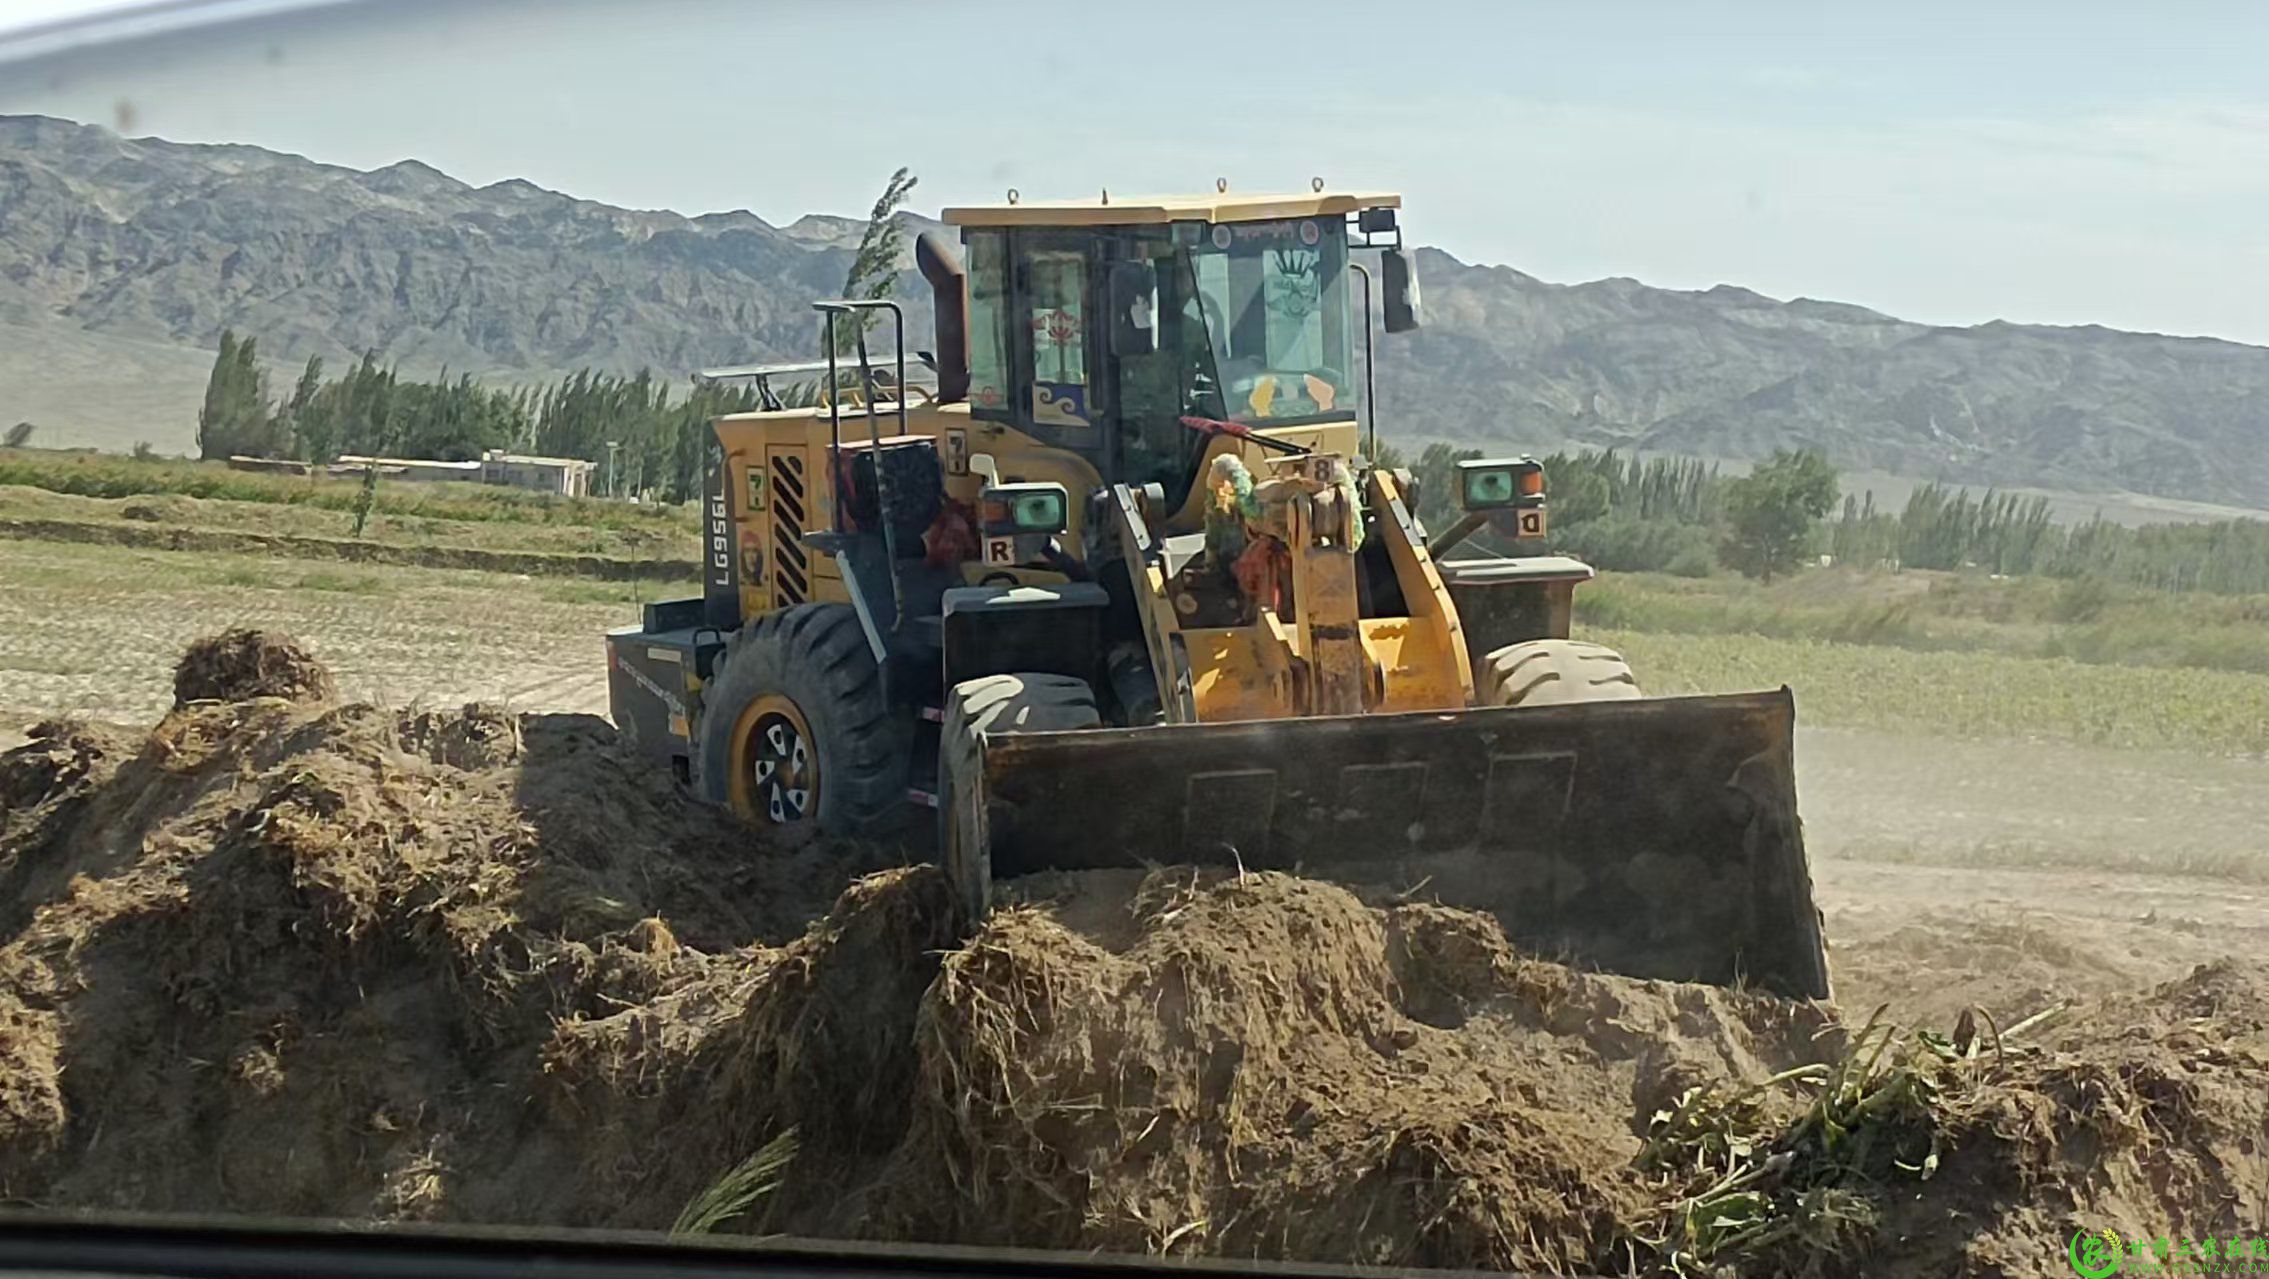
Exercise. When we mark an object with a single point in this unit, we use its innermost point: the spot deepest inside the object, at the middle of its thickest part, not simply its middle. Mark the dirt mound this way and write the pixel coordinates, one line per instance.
(1261, 1066)
(1271, 1068)
(1233, 1067)
(814, 1035)
(309, 955)
(2145, 1115)
(299, 957)
(241, 664)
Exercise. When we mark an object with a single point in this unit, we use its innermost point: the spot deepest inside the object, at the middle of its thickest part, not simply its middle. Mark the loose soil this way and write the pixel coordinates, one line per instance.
(284, 954)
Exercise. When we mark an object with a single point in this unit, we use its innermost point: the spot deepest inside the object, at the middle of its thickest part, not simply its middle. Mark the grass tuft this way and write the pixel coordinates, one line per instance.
(1751, 1186)
(733, 1195)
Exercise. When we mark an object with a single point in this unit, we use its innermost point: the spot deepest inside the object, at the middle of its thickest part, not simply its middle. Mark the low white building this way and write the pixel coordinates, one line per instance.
(565, 476)
(423, 470)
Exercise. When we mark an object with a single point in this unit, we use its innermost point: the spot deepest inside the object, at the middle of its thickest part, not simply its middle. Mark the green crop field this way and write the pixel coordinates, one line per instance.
(112, 476)
(2087, 620)
(1964, 694)
(656, 538)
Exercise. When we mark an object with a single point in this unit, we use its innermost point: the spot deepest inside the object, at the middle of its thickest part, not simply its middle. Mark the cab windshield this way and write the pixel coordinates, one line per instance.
(1271, 298)
(1253, 326)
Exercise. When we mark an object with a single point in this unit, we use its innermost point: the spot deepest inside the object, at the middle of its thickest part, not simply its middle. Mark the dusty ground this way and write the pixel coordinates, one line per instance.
(2004, 874)
(2014, 874)
(92, 630)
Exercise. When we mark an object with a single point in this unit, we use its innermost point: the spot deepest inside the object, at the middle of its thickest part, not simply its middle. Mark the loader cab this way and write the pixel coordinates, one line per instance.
(1100, 326)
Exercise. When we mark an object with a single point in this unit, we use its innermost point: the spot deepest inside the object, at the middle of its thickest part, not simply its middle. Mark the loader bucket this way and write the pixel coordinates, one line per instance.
(1656, 837)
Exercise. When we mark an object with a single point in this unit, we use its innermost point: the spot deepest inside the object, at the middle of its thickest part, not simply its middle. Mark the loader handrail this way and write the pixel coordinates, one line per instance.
(832, 308)
(1370, 369)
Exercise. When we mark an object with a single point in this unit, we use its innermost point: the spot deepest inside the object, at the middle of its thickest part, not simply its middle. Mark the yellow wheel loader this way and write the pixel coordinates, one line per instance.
(1109, 581)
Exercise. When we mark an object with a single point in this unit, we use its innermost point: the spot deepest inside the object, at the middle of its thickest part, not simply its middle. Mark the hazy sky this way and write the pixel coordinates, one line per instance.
(2067, 163)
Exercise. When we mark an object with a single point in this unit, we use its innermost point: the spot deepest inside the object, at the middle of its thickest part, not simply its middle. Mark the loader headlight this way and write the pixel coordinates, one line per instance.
(1492, 484)
(1021, 509)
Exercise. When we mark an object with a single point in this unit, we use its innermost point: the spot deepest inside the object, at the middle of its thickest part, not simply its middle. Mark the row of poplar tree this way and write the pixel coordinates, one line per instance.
(657, 439)
(651, 438)
(1681, 516)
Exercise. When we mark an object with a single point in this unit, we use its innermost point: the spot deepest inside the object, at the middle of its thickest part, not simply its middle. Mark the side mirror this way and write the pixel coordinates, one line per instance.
(1399, 276)
(1010, 510)
(1134, 308)
(1494, 483)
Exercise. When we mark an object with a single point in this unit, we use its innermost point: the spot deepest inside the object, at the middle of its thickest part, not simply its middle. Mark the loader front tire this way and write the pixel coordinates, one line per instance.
(976, 709)
(1548, 672)
(796, 732)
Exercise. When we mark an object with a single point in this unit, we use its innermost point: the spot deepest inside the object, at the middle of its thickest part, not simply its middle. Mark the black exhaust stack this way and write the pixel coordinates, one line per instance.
(940, 261)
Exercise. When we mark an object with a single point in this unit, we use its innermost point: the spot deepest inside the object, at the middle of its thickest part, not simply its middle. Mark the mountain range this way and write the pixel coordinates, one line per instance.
(122, 259)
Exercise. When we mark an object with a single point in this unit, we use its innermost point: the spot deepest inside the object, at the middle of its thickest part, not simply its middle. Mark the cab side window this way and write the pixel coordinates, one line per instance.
(1056, 319)
(989, 359)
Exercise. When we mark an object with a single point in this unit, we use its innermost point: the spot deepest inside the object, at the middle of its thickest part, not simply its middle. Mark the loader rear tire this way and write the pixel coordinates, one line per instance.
(796, 731)
(976, 709)
(1548, 672)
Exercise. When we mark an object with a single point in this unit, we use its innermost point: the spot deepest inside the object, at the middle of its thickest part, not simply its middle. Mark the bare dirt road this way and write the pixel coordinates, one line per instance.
(2005, 874)
(2012, 874)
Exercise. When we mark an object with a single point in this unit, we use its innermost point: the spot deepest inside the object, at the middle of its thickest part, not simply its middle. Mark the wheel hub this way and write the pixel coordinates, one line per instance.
(782, 770)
